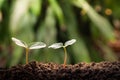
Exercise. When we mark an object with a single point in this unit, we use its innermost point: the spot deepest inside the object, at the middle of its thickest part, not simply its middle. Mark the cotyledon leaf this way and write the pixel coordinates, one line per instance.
(19, 42)
(37, 45)
(70, 42)
(56, 45)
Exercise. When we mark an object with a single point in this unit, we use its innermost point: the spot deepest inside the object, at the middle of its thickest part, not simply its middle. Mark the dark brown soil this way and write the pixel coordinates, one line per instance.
(51, 71)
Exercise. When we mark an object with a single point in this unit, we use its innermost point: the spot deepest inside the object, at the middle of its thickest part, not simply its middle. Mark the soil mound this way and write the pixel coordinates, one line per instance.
(51, 71)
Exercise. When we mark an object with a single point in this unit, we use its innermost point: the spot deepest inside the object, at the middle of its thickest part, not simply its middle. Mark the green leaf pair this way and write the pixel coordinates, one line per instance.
(36, 45)
(59, 45)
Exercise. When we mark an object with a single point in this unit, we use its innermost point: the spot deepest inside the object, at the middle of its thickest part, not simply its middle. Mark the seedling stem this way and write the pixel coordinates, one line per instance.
(65, 56)
(27, 51)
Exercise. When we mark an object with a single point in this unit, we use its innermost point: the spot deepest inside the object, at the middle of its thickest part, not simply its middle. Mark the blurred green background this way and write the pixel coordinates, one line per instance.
(91, 22)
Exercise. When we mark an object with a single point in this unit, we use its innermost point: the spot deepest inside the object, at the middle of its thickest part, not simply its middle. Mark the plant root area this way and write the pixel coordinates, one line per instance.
(51, 71)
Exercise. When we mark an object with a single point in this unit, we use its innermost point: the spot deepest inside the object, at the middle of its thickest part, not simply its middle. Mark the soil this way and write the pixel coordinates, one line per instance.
(51, 71)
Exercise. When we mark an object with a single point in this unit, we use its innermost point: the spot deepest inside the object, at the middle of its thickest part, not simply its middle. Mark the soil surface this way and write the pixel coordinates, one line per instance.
(51, 71)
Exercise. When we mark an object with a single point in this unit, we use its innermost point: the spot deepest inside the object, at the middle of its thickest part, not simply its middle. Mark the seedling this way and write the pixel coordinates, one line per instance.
(35, 45)
(59, 45)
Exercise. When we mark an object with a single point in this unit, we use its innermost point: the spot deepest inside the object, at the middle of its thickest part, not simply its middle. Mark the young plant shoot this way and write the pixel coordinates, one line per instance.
(35, 45)
(59, 45)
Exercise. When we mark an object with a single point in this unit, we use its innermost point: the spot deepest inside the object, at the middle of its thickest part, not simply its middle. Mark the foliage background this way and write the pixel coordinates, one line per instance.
(91, 22)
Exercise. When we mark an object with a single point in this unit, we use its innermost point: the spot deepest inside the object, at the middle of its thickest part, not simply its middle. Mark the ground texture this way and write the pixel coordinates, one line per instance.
(51, 71)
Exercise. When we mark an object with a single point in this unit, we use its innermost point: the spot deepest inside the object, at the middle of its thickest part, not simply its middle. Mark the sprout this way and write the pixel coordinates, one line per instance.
(59, 45)
(35, 45)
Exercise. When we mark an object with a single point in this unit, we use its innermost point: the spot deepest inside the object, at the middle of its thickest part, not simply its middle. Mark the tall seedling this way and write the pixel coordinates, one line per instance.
(35, 45)
(59, 45)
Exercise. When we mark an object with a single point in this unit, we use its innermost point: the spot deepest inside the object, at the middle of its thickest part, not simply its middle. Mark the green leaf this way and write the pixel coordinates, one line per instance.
(70, 42)
(37, 45)
(19, 42)
(56, 45)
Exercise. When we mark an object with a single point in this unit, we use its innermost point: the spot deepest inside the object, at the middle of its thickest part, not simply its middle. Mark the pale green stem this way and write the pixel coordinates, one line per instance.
(27, 51)
(65, 56)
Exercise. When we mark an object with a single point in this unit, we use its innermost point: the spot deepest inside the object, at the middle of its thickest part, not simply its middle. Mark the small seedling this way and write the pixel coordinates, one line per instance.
(35, 45)
(59, 45)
